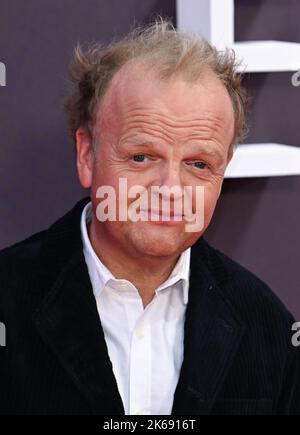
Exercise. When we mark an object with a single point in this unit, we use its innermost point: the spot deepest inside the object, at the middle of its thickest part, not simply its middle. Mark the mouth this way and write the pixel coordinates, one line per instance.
(161, 217)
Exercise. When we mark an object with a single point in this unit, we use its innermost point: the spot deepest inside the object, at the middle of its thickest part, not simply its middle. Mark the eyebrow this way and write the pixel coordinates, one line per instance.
(207, 150)
(197, 147)
(143, 142)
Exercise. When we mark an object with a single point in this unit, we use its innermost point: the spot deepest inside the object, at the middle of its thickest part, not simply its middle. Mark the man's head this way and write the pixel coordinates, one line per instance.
(158, 108)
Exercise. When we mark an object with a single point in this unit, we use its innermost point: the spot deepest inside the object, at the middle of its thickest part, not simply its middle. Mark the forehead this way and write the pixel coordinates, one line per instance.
(136, 89)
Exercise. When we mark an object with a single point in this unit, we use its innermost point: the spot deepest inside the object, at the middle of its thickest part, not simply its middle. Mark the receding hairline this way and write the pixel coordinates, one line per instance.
(171, 51)
(111, 110)
(132, 71)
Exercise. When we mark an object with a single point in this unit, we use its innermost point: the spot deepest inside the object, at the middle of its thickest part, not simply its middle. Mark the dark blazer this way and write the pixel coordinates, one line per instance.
(238, 356)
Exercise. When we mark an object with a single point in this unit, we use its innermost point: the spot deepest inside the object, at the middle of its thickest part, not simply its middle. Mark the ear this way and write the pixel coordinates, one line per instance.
(85, 156)
(229, 156)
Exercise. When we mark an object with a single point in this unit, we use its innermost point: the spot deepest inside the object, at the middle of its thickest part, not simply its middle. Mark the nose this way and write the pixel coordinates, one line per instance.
(170, 178)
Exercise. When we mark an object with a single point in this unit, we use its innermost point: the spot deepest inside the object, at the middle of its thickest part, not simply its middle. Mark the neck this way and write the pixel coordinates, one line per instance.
(146, 273)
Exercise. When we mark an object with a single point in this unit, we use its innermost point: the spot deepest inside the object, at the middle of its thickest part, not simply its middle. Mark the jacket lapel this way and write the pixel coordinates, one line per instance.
(68, 319)
(211, 339)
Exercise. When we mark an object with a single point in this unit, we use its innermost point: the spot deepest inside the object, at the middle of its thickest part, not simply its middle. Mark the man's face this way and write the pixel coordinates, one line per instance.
(154, 133)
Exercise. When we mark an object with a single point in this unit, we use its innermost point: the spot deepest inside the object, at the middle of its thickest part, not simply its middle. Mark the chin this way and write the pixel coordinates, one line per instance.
(157, 242)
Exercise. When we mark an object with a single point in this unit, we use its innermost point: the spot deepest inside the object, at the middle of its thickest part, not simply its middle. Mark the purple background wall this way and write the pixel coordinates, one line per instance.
(256, 220)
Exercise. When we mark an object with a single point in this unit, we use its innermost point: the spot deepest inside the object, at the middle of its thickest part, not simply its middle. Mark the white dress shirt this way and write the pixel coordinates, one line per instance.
(145, 346)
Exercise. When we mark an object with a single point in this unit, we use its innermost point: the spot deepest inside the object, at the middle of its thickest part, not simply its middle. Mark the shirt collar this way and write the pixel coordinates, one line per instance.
(100, 274)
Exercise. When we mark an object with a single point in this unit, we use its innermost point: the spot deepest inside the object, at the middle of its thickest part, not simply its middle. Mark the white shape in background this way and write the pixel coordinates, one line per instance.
(264, 160)
(2, 74)
(214, 19)
(2, 334)
(295, 80)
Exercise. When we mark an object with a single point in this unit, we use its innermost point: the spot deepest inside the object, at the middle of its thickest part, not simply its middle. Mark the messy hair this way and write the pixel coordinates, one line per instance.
(169, 51)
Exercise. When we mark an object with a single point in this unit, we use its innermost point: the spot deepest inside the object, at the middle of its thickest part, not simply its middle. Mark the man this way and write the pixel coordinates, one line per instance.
(109, 314)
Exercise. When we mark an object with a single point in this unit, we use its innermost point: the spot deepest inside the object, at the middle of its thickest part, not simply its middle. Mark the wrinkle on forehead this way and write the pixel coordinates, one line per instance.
(169, 129)
(137, 98)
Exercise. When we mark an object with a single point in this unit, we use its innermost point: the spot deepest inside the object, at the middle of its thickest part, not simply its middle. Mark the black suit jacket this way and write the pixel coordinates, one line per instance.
(238, 356)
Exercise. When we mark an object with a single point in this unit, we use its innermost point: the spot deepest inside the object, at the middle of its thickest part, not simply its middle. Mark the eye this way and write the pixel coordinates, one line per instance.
(139, 157)
(199, 165)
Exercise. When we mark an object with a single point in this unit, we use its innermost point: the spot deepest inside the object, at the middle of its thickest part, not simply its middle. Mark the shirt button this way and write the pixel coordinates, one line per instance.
(140, 334)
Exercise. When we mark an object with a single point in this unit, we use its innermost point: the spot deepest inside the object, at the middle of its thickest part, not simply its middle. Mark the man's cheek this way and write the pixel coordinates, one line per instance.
(210, 201)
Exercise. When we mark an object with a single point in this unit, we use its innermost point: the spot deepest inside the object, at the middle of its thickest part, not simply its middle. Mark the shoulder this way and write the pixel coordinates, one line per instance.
(30, 264)
(18, 265)
(267, 350)
(22, 254)
(253, 299)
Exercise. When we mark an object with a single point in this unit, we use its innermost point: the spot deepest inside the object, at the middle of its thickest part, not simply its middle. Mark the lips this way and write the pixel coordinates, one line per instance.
(161, 215)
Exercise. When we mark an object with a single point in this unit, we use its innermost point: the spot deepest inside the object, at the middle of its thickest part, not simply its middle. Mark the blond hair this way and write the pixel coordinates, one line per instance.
(166, 50)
